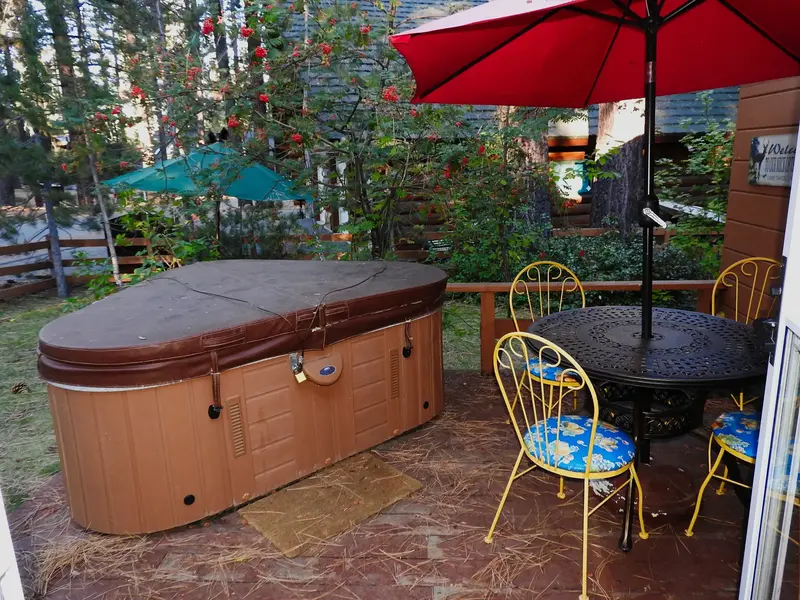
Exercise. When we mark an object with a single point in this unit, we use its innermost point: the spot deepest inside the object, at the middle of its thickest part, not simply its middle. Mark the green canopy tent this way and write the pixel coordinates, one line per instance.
(216, 165)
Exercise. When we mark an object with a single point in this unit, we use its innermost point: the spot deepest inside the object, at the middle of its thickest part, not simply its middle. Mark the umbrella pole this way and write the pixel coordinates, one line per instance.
(650, 199)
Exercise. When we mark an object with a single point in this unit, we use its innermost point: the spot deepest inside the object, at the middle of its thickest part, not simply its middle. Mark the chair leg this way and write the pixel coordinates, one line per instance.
(575, 400)
(584, 595)
(561, 495)
(690, 531)
(640, 501)
(721, 488)
(488, 538)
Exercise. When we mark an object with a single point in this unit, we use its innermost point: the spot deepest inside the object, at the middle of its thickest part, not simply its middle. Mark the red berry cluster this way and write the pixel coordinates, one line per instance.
(390, 94)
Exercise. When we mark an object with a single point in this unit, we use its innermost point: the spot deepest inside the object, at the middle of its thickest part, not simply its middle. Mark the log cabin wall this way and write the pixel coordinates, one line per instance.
(756, 218)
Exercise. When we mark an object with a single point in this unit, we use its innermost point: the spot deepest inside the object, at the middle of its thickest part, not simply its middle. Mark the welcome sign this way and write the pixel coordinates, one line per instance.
(772, 160)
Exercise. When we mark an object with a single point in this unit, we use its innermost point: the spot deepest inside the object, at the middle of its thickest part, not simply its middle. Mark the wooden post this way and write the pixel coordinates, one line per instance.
(487, 333)
(704, 300)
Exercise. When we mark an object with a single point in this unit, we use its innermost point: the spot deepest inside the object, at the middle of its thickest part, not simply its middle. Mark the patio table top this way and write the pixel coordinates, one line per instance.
(688, 349)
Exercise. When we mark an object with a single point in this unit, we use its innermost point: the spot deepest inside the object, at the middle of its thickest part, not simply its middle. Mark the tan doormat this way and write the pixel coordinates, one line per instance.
(328, 503)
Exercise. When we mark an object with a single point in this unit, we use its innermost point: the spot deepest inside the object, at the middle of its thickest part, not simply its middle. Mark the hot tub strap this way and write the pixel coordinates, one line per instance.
(216, 408)
(409, 340)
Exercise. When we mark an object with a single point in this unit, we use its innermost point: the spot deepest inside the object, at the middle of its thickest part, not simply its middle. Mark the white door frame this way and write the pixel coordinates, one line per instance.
(788, 318)
(10, 584)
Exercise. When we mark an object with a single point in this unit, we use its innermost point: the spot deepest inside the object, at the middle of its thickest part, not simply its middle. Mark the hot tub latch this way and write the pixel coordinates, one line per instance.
(215, 409)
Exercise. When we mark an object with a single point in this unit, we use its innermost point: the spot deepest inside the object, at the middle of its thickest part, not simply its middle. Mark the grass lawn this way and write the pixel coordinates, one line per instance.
(27, 445)
(28, 453)
(461, 325)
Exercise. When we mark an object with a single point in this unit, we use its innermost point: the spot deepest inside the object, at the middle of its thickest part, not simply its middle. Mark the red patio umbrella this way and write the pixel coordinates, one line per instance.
(572, 53)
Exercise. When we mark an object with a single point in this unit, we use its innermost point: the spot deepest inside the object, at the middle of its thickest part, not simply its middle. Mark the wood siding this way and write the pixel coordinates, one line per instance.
(757, 214)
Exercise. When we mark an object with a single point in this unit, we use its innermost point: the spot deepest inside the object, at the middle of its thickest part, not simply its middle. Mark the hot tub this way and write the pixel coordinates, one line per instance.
(207, 386)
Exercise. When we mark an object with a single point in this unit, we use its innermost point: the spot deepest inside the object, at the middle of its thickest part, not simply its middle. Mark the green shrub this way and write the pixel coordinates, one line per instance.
(603, 258)
(609, 258)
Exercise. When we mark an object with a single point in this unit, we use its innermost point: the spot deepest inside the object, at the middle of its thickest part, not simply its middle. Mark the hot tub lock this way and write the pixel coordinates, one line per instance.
(296, 364)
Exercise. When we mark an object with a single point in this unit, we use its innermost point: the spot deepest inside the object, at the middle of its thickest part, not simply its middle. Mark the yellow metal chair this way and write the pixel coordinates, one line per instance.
(570, 446)
(750, 280)
(737, 434)
(545, 285)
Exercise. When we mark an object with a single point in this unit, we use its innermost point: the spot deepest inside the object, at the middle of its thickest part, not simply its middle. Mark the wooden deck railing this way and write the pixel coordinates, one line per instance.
(492, 328)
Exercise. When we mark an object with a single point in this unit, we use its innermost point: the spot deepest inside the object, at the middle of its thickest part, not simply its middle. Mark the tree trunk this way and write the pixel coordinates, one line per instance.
(234, 9)
(8, 183)
(218, 219)
(55, 246)
(65, 64)
(537, 157)
(223, 63)
(162, 41)
(112, 251)
(47, 145)
(84, 65)
(540, 198)
(614, 200)
(191, 25)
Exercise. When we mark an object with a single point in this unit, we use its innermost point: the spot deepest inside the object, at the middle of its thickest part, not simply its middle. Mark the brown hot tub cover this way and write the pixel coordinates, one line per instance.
(213, 316)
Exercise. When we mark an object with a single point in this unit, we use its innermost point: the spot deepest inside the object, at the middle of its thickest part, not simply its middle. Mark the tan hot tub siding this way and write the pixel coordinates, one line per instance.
(757, 214)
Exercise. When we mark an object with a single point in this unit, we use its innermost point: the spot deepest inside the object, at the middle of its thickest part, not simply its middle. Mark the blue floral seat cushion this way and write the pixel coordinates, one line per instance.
(548, 372)
(613, 448)
(738, 431)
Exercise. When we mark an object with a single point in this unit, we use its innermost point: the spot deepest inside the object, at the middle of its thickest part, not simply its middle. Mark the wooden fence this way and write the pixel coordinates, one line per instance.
(50, 282)
(493, 328)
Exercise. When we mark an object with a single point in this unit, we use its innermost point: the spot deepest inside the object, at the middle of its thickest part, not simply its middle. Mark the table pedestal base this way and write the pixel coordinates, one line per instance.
(671, 413)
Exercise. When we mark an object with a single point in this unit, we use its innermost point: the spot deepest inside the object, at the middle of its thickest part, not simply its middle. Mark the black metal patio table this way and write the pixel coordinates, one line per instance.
(688, 352)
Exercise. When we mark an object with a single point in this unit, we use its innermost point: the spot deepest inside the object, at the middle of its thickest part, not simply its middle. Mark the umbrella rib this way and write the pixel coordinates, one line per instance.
(626, 9)
(487, 54)
(604, 17)
(605, 59)
(683, 9)
(763, 33)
